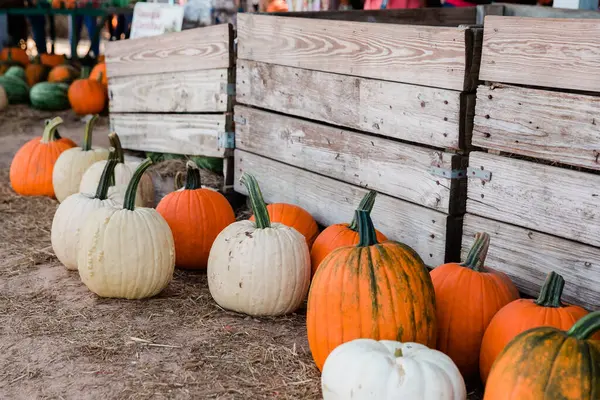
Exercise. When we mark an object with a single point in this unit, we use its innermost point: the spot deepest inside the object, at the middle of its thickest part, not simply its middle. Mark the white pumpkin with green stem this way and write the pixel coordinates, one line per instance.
(72, 164)
(126, 252)
(259, 268)
(72, 214)
(367, 369)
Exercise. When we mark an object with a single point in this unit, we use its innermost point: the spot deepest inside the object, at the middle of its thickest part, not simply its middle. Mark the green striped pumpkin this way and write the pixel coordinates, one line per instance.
(50, 96)
(16, 71)
(16, 89)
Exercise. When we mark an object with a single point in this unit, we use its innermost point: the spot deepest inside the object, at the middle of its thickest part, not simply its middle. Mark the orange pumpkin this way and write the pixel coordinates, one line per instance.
(371, 290)
(547, 363)
(52, 60)
(294, 217)
(523, 314)
(340, 235)
(467, 296)
(62, 73)
(15, 54)
(36, 72)
(101, 58)
(99, 74)
(196, 216)
(87, 96)
(31, 167)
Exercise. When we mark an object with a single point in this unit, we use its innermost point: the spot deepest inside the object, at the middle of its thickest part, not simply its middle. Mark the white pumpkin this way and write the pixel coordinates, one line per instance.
(3, 99)
(126, 252)
(72, 214)
(388, 370)
(259, 268)
(71, 164)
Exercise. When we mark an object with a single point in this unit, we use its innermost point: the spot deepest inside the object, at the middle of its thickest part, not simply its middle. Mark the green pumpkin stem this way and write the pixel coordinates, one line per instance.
(89, 129)
(129, 201)
(115, 142)
(259, 208)
(476, 257)
(50, 133)
(551, 291)
(366, 230)
(108, 174)
(586, 326)
(366, 204)
(192, 179)
(85, 72)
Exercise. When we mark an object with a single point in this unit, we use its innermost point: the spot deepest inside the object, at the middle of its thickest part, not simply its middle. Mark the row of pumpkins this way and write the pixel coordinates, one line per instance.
(380, 325)
(51, 83)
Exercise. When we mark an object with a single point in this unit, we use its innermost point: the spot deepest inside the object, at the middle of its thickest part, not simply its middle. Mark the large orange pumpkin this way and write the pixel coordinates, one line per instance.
(15, 54)
(32, 165)
(340, 235)
(294, 217)
(87, 96)
(371, 290)
(547, 363)
(196, 216)
(52, 60)
(523, 314)
(62, 73)
(36, 72)
(467, 296)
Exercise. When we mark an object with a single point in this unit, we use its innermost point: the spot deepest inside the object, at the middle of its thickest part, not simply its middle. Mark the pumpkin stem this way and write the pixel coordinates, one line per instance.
(179, 180)
(108, 173)
(192, 180)
(366, 230)
(261, 215)
(129, 201)
(100, 76)
(87, 137)
(586, 326)
(116, 143)
(366, 204)
(85, 72)
(398, 353)
(551, 291)
(478, 253)
(50, 134)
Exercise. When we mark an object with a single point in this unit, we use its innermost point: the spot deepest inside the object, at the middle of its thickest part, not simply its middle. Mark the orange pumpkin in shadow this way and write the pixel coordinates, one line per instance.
(52, 60)
(87, 96)
(15, 54)
(63, 73)
(36, 72)
(295, 217)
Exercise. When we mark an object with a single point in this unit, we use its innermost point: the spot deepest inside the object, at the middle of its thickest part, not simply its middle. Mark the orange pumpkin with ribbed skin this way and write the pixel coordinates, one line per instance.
(524, 314)
(87, 96)
(468, 295)
(294, 217)
(62, 73)
(52, 60)
(99, 74)
(36, 72)
(196, 216)
(340, 235)
(16, 54)
(547, 363)
(32, 165)
(373, 290)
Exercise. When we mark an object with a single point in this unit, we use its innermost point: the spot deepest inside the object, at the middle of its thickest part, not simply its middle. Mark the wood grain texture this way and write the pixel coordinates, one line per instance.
(183, 92)
(209, 47)
(528, 256)
(550, 125)
(390, 167)
(331, 201)
(412, 113)
(548, 199)
(171, 133)
(432, 56)
(555, 53)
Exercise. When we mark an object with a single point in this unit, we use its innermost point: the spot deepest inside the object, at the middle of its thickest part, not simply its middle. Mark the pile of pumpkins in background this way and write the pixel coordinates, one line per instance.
(50, 82)
(380, 325)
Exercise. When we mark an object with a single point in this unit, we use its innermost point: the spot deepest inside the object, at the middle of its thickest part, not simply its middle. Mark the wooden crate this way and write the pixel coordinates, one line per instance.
(329, 109)
(174, 93)
(537, 188)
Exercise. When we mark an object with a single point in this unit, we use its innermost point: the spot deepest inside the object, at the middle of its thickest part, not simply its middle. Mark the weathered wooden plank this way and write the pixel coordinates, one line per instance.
(556, 53)
(190, 91)
(550, 125)
(432, 56)
(394, 168)
(209, 47)
(536, 196)
(408, 112)
(528, 256)
(172, 133)
(331, 201)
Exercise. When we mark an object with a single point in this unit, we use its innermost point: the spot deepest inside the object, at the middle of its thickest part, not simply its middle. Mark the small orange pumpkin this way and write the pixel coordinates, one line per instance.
(99, 74)
(32, 166)
(36, 72)
(101, 58)
(295, 217)
(15, 54)
(87, 96)
(62, 73)
(52, 60)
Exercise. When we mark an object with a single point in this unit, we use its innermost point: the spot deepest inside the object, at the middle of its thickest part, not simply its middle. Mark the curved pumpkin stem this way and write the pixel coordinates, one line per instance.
(129, 201)
(115, 142)
(551, 291)
(108, 174)
(89, 129)
(50, 133)
(366, 230)
(586, 326)
(367, 203)
(192, 179)
(476, 257)
(259, 207)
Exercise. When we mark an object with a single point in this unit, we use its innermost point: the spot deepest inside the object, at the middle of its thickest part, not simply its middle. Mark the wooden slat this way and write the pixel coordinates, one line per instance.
(172, 133)
(548, 199)
(190, 91)
(190, 50)
(331, 201)
(556, 53)
(550, 125)
(412, 113)
(528, 256)
(390, 167)
(432, 56)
